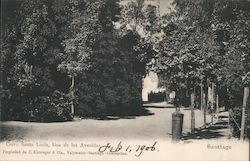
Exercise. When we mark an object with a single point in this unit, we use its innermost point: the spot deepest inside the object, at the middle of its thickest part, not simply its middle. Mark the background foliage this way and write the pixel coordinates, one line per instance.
(47, 43)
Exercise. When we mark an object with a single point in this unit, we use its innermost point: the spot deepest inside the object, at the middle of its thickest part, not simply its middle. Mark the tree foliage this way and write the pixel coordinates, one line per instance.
(30, 54)
(206, 41)
(62, 52)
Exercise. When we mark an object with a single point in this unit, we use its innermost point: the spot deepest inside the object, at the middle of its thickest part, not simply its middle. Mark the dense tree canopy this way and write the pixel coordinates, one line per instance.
(62, 54)
(206, 41)
(93, 54)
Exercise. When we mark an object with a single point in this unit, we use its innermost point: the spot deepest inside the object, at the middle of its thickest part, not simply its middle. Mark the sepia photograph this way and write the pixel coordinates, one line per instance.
(125, 80)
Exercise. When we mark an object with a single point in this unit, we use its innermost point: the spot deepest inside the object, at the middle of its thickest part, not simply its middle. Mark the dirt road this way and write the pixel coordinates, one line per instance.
(157, 124)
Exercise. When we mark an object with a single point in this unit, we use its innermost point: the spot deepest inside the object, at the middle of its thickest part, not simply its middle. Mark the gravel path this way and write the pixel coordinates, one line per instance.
(156, 125)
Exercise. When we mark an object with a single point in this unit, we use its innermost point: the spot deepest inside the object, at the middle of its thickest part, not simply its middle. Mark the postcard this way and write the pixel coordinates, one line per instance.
(124, 80)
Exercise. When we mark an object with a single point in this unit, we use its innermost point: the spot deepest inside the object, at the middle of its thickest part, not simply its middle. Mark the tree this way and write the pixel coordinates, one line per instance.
(188, 55)
(230, 25)
(142, 18)
(117, 66)
(31, 54)
(217, 46)
(82, 19)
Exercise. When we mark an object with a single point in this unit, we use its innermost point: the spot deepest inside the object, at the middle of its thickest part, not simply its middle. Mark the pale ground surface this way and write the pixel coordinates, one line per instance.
(156, 125)
(129, 131)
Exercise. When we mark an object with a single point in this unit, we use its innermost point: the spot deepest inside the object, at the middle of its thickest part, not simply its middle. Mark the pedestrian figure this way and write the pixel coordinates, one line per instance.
(172, 97)
(211, 111)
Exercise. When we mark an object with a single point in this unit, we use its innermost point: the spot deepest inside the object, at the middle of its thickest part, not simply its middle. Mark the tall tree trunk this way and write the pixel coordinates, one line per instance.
(186, 98)
(212, 94)
(204, 110)
(209, 94)
(72, 94)
(201, 99)
(212, 103)
(203, 104)
(217, 106)
(192, 112)
(243, 117)
(209, 97)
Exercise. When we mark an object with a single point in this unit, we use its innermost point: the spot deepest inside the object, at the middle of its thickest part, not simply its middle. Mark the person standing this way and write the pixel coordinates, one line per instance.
(172, 97)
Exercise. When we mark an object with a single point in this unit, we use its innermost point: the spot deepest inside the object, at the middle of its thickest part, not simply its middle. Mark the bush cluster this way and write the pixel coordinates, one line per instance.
(156, 96)
(235, 121)
(48, 108)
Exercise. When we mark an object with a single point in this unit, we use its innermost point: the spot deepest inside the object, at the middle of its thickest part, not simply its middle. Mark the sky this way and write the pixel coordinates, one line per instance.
(165, 5)
(150, 82)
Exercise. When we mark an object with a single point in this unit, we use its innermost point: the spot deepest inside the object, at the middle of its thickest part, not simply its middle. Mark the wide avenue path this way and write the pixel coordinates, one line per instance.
(156, 124)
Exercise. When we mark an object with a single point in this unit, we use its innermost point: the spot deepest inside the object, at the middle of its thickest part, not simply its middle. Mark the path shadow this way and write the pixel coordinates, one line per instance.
(223, 117)
(8, 132)
(107, 118)
(127, 115)
(189, 108)
(151, 106)
(158, 105)
(214, 131)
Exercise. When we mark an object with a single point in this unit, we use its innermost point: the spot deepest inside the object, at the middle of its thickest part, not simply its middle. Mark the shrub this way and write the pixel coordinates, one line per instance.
(236, 113)
(49, 108)
(83, 110)
(156, 97)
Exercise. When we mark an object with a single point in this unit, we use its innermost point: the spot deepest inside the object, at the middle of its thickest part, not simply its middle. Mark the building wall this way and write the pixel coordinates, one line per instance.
(150, 83)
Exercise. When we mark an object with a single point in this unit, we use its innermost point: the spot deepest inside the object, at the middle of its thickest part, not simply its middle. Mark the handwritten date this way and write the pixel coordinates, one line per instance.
(120, 148)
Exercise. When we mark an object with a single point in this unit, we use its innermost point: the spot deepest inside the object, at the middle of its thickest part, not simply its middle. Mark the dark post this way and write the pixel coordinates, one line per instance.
(243, 116)
(72, 94)
(1, 101)
(177, 124)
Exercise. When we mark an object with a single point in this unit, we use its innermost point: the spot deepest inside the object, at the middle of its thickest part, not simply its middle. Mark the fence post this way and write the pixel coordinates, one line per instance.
(1, 92)
(228, 124)
(243, 116)
(72, 94)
